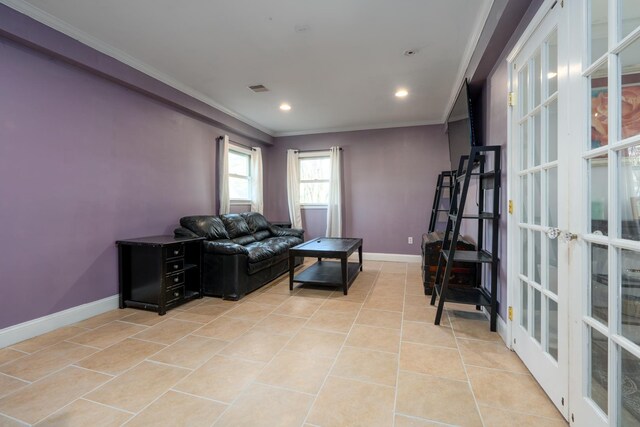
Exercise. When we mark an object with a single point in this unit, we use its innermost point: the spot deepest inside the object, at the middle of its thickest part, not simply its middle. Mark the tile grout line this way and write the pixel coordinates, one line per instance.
(18, 420)
(335, 360)
(464, 366)
(395, 397)
(102, 404)
(113, 377)
(414, 417)
(197, 396)
(17, 378)
(274, 356)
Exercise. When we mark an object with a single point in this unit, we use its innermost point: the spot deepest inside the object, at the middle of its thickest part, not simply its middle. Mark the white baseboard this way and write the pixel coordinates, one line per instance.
(42, 325)
(503, 330)
(372, 256)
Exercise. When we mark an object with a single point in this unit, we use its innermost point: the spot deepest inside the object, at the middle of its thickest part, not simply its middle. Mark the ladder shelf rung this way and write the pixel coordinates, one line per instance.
(476, 257)
(479, 174)
(485, 215)
(472, 296)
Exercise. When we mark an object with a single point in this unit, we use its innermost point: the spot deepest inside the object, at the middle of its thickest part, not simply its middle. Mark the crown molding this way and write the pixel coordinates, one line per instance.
(358, 128)
(59, 25)
(466, 58)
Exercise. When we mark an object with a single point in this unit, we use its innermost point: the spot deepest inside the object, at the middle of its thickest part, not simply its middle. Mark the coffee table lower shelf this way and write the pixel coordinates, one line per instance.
(327, 273)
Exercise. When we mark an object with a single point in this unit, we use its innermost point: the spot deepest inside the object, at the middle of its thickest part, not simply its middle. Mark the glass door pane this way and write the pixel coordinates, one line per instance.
(538, 182)
(610, 320)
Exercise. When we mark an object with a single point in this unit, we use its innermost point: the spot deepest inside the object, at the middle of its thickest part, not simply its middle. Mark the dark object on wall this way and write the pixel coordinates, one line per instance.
(463, 275)
(460, 128)
(241, 252)
(472, 166)
(159, 272)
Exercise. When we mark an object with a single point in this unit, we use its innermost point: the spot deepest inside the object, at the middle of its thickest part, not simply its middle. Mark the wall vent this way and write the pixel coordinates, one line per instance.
(258, 88)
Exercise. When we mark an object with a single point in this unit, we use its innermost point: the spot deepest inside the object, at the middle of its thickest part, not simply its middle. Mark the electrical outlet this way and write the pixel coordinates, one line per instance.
(410, 240)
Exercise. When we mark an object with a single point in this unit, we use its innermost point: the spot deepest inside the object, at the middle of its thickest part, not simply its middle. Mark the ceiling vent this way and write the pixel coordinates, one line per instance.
(258, 88)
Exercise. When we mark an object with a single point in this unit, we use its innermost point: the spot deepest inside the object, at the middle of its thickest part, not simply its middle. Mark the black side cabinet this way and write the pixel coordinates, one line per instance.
(159, 272)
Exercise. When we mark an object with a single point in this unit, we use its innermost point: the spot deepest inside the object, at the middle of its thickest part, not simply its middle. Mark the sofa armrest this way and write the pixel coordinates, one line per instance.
(224, 248)
(184, 232)
(280, 232)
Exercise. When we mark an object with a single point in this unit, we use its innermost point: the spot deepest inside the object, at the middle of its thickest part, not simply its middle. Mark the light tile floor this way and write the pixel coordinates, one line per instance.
(311, 357)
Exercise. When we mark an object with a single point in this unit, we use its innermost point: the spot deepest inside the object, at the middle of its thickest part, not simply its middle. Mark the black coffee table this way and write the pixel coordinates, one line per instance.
(341, 273)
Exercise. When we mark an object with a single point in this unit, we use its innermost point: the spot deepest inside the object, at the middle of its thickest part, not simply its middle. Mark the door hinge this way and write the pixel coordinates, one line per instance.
(561, 3)
(511, 99)
(562, 401)
(573, 420)
(510, 206)
(510, 313)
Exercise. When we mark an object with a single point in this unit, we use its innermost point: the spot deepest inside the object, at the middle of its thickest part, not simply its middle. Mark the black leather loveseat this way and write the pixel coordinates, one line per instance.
(242, 252)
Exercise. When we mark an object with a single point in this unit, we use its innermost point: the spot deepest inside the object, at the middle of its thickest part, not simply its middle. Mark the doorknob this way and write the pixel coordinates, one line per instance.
(553, 233)
(565, 236)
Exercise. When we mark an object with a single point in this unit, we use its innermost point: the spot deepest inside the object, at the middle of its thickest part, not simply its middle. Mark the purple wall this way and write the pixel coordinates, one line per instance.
(26, 31)
(494, 125)
(389, 183)
(84, 162)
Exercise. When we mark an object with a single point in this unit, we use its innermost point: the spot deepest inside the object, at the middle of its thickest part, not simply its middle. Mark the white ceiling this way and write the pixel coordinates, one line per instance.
(341, 73)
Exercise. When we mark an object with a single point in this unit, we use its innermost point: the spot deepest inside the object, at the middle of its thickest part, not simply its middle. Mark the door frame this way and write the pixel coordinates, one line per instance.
(513, 193)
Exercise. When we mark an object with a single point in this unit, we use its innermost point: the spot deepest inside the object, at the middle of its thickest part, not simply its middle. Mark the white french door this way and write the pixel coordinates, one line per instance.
(575, 231)
(605, 271)
(540, 161)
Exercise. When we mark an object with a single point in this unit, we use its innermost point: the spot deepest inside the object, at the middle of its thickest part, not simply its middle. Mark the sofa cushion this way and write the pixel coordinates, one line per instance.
(207, 226)
(261, 235)
(244, 240)
(277, 245)
(257, 222)
(235, 225)
(224, 247)
(259, 251)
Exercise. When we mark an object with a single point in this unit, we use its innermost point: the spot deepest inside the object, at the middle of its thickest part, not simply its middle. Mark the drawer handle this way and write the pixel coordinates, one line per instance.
(176, 280)
(175, 266)
(176, 294)
(176, 252)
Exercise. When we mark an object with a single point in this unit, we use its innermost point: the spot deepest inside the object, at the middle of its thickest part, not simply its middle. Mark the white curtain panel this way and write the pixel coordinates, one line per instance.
(293, 188)
(334, 206)
(225, 204)
(257, 204)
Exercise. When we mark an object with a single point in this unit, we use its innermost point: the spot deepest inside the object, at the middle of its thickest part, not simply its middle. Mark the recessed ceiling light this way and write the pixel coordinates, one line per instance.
(285, 107)
(401, 93)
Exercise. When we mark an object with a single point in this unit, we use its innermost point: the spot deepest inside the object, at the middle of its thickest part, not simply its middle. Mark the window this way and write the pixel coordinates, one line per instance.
(239, 175)
(315, 172)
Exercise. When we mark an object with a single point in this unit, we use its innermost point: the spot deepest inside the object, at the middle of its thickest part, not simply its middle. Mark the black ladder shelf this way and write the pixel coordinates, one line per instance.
(445, 182)
(472, 167)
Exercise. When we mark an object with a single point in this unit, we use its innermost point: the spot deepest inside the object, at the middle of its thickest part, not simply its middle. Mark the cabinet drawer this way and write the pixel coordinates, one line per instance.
(175, 265)
(174, 280)
(174, 251)
(174, 294)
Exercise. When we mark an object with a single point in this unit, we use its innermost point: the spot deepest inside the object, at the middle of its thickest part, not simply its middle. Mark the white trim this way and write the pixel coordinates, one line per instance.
(313, 206)
(504, 331)
(466, 57)
(357, 128)
(311, 154)
(373, 256)
(67, 29)
(41, 325)
(531, 27)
